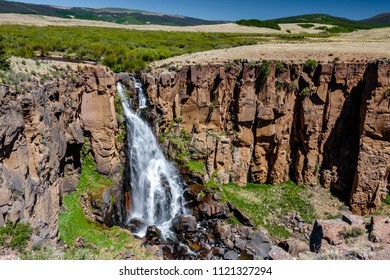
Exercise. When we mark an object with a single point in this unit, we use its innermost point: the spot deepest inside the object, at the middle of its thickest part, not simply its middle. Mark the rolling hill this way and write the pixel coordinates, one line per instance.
(121, 16)
(381, 20)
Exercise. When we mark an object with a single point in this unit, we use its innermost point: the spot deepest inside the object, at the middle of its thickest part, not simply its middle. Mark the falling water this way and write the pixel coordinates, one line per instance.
(155, 182)
(142, 99)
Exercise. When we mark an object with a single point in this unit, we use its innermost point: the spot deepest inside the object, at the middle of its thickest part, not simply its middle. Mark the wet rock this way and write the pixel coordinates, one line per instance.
(193, 191)
(135, 224)
(194, 246)
(153, 234)
(168, 252)
(186, 223)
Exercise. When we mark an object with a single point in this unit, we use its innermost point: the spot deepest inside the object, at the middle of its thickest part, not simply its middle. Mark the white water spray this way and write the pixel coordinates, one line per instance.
(155, 182)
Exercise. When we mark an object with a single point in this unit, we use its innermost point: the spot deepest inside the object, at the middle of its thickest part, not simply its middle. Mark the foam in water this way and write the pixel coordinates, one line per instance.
(156, 184)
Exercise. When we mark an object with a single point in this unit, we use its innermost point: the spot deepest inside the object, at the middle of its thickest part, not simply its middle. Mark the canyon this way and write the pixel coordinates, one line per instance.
(270, 122)
(263, 122)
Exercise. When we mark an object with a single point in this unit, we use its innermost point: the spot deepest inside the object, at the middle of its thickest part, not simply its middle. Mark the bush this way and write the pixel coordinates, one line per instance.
(258, 23)
(310, 65)
(352, 233)
(4, 59)
(305, 91)
(306, 25)
(265, 70)
(15, 236)
(387, 92)
(279, 67)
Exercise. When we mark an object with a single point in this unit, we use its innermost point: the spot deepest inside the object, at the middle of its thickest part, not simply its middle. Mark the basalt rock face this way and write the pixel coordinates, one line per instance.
(41, 134)
(268, 123)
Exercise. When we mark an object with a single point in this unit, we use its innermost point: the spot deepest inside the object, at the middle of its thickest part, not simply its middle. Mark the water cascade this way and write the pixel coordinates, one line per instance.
(142, 99)
(155, 183)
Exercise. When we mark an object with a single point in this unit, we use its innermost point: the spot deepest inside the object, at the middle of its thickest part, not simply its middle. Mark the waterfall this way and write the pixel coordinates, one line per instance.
(142, 99)
(156, 184)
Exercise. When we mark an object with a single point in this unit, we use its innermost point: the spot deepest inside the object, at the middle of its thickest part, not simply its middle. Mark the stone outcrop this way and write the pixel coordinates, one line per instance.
(41, 134)
(265, 123)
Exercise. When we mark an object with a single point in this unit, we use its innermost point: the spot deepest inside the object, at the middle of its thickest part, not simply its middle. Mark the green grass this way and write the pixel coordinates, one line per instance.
(266, 205)
(197, 167)
(91, 180)
(73, 223)
(15, 236)
(119, 49)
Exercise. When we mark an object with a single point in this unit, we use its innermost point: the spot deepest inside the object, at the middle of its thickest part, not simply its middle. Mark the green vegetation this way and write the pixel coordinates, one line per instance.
(306, 25)
(101, 242)
(15, 236)
(310, 65)
(280, 85)
(121, 16)
(305, 91)
(387, 92)
(267, 205)
(196, 167)
(264, 70)
(387, 199)
(119, 49)
(4, 60)
(259, 23)
(352, 232)
(279, 67)
(341, 24)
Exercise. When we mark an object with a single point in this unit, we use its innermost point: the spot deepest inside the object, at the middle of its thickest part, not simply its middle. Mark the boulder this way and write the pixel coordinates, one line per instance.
(186, 223)
(278, 253)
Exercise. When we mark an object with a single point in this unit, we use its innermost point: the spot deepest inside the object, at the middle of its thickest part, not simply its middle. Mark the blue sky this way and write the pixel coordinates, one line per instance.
(238, 9)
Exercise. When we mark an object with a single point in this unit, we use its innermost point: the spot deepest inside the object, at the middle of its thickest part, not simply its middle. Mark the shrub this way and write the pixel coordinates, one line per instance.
(310, 65)
(264, 70)
(387, 92)
(279, 67)
(259, 23)
(305, 91)
(351, 233)
(306, 25)
(15, 236)
(4, 59)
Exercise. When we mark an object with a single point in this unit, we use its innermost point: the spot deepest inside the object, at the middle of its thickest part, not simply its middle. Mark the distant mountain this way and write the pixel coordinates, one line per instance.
(121, 16)
(380, 20)
(341, 24)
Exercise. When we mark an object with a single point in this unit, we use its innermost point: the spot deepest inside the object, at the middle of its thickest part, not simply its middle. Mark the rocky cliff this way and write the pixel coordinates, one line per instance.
(325, 123)
(41, 135)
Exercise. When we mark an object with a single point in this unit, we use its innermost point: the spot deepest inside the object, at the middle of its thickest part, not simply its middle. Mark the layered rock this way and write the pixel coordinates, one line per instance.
(266, 123)
(41, 134)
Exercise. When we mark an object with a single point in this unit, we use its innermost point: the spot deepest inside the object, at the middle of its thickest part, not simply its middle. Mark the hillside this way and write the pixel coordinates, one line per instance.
(121, 16)
(340, 24)
(380, 20)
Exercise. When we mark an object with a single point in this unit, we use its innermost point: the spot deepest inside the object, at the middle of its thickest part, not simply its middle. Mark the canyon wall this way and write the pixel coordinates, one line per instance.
(270, 122)
(42, 132)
